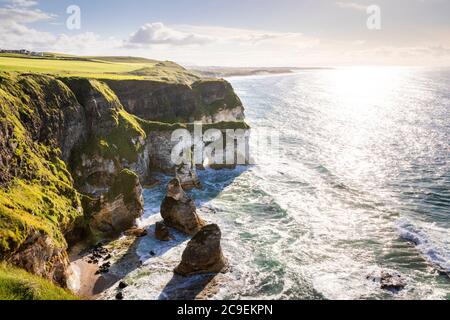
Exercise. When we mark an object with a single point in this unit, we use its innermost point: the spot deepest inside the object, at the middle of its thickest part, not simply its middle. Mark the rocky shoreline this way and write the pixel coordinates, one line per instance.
(75, 153)
(97, 269)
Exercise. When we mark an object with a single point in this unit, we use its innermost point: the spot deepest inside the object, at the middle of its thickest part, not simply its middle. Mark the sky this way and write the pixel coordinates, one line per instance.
(250, 33)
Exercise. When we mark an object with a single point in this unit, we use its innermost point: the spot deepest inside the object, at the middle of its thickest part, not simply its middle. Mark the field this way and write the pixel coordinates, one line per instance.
(120, 68)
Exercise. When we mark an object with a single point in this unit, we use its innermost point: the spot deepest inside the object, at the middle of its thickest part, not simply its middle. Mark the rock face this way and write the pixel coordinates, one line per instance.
(42, 257)
(160, 101)
(121, 206)
(203, 253)
(69, 140)
(179, 211)
(225, 115)
(162, 232)
(39, 126)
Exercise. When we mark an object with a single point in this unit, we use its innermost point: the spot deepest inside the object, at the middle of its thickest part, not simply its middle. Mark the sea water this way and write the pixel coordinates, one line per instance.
(363, 185)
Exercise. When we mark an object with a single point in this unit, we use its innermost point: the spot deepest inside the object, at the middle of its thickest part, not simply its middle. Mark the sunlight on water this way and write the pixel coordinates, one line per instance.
(363, 186)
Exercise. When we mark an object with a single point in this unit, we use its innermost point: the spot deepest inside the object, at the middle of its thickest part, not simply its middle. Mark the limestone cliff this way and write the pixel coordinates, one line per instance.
(161, 101)
(39, 117)
(67, 145)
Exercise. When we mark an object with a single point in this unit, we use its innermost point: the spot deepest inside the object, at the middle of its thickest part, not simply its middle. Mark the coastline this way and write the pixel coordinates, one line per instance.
(135, 257)
(87, 282)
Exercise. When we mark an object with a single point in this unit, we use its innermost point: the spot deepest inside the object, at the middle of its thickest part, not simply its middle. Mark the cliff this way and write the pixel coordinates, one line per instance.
(75, 151)
(16, 284)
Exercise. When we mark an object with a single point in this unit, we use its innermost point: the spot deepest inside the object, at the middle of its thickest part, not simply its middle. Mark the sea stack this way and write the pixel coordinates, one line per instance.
(203, 253)
(179, 211)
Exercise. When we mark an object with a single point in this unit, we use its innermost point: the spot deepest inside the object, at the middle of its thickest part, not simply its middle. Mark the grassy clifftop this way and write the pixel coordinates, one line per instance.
(63, 121)
(17, 284)
(116, 68)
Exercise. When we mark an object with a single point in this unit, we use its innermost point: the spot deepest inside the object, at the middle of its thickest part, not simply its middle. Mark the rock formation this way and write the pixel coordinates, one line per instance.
(392, 281)
(188, 177)
(160, 101)
(41, 256)
(121, 206)
(68, 141)
(388, 280)
(136, 232)
(179, 211)
(162, 232)
(203, 253)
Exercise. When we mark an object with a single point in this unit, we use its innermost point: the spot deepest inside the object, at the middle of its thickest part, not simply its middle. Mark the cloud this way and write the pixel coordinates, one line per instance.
(212, 45)
(351, 5)
(22, 3)
(23, 15)
(182, 35)
(158, 33)
(16, 32)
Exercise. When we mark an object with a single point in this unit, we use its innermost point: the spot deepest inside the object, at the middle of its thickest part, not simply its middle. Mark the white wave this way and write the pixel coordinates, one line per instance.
(430, 240)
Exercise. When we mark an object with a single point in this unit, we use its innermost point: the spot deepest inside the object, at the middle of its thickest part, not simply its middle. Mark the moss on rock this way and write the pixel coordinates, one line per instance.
(37, 192)
(17, 284)
(125, 184)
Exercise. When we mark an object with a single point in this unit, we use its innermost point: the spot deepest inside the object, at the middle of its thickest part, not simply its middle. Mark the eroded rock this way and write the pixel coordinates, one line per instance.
(188, 177)
(392, 281)
(136, 232)
(162, 232)
(121, 206)
(203, 253)
(179, 211)
(388, 280)
(40, 255)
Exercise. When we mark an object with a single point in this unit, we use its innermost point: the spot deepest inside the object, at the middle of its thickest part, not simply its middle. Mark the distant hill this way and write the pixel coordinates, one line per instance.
(122, 59)
(221, 72)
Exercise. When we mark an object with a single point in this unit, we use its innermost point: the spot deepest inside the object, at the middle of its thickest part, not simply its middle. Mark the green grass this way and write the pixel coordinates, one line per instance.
(17, 284)
(108, 68)
(40, 197)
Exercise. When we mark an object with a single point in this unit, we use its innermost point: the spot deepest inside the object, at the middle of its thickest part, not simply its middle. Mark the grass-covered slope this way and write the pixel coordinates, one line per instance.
(37, 194)
(17, 284)
(37, 191)
(118, 68)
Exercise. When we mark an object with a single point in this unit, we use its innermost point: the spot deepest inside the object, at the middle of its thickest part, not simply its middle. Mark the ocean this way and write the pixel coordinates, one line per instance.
(363, 185)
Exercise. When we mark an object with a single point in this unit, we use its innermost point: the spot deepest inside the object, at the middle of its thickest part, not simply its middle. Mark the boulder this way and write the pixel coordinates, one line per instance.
(188, 177)
(179, 211)
(203, 253)
(162, 232)
(392, 281)
(136, 232)
(388, 280)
